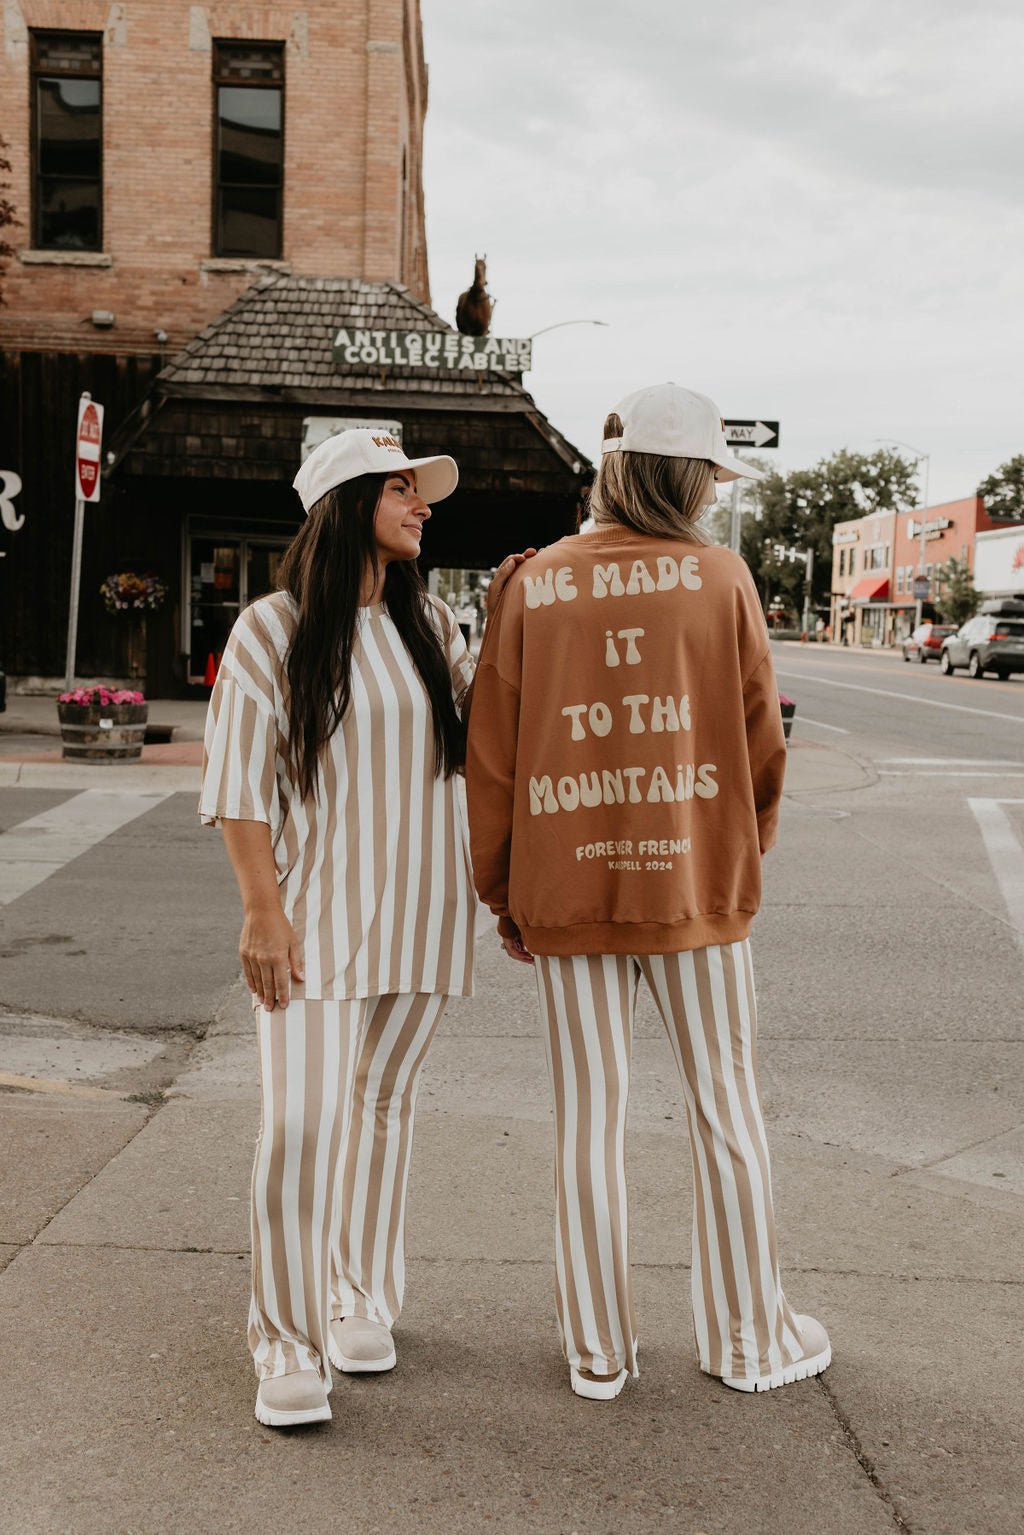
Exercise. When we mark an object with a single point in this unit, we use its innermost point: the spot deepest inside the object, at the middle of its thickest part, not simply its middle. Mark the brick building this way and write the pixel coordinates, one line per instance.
(876, 559)
(181, 148)
(208, 194)
(861, 577)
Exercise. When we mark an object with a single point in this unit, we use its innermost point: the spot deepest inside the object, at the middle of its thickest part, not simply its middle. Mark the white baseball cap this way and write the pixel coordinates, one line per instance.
(365, 450)
(676, 423)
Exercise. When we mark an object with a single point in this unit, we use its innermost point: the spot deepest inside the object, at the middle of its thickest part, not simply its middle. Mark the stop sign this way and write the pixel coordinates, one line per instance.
(87, 450)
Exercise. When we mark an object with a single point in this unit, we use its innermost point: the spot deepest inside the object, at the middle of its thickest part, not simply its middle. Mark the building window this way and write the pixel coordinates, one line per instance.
(67, 140)
(842, 562)
(899, 579)
(248, 86)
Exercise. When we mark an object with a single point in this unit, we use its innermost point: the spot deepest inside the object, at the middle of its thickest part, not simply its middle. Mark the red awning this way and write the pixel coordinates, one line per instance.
(871, 589)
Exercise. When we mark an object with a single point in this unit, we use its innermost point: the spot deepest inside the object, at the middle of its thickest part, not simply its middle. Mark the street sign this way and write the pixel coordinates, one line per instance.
(87, 450)
(752, 434)
(922, 588)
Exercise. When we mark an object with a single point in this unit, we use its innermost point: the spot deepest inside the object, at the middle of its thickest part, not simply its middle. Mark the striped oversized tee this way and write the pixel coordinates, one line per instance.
(374, 873)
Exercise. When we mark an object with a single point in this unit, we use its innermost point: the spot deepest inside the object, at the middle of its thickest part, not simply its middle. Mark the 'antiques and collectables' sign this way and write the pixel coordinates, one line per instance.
(430, 349)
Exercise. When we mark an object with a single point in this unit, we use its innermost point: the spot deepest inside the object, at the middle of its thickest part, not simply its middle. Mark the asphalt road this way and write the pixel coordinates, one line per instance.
(884, 706)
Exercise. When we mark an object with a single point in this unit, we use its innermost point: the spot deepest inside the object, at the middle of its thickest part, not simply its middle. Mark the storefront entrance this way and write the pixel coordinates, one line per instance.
(226, 571)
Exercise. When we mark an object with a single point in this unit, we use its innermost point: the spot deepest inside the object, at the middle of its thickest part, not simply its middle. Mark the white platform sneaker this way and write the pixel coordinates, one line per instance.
(597, 1390)
(816, 1357)
(290, 1400)
(358, 1346)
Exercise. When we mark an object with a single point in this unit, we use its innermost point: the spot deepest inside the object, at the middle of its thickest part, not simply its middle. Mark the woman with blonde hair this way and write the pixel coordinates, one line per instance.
(624, 770)
(333, 741)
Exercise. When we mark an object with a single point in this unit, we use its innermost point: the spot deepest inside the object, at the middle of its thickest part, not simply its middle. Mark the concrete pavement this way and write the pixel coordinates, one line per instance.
(127, 1402)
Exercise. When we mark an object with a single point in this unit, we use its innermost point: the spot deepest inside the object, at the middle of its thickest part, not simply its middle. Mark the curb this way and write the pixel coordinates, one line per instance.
(76, 775)
(815, 769)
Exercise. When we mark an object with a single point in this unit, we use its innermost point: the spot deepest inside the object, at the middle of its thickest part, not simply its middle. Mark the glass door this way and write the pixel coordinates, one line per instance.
(215, 600)
(226, 572)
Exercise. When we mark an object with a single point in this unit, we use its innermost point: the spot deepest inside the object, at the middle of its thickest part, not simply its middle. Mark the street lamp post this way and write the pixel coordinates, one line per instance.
(558, 325)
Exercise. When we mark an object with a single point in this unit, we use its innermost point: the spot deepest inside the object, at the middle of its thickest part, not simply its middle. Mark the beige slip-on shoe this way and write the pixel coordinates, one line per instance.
(816, 1357)
(358, 1346)
(289, 1400)
(596, 1390)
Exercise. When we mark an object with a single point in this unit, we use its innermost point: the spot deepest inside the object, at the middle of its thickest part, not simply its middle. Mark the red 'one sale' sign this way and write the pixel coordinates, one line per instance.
(87, 449)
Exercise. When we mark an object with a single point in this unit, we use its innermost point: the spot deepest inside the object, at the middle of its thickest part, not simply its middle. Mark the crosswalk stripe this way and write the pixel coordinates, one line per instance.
(34, 849)
(1005, 855)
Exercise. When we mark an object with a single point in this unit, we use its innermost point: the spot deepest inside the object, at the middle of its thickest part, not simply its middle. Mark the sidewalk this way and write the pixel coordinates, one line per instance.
(32, 714)
(812, 768)
(124, 1329)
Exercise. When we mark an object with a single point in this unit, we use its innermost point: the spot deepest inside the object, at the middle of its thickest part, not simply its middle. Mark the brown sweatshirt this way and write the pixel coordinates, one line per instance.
(626, 751)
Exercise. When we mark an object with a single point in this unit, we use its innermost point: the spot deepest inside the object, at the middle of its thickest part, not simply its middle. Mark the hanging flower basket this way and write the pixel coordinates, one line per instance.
(130, 597)
(133, 593)
(788, 707)
(102, 725)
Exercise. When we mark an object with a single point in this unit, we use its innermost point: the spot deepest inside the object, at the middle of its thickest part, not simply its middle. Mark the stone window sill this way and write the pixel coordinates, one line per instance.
(65, 258)
(244, 264)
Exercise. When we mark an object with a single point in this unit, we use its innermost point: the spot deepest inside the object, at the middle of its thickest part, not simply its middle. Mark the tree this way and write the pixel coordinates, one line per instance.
(799, 511)
(1003, 491)
(959, 600)
(8, 216)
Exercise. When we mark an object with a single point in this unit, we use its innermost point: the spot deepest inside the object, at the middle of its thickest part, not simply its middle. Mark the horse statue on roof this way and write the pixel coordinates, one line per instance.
(473, 310)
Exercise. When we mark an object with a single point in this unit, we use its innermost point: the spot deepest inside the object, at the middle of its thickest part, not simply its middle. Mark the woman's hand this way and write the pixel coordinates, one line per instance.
(502, 574)
(271, 956)
(270, 949)
(515, 948)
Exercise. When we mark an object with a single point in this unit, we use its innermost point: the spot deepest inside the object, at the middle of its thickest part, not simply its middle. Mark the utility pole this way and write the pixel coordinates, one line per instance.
(735, 523)
(919, 604)
(809, 560)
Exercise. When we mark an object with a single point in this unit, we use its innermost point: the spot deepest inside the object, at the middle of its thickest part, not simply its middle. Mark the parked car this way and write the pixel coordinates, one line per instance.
(991, 642)
(925, 644)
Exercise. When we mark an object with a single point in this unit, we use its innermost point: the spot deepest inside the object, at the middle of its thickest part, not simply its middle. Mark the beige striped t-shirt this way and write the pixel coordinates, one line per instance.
(375, 874)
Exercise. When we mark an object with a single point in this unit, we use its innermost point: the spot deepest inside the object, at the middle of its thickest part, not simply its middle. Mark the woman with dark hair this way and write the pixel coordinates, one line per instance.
(625, 765)
(333, 742)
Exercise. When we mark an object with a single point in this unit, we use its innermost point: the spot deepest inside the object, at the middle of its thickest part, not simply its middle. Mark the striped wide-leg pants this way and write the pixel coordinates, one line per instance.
(338, 1084)
(743, 1325)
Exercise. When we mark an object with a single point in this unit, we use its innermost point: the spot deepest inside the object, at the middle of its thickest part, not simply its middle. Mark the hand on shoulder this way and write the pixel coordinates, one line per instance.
(509, 564)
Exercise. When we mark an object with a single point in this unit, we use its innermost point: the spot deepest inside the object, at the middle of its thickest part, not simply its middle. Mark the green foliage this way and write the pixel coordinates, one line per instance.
(799, 510)
(1003, 491)
(959, 600)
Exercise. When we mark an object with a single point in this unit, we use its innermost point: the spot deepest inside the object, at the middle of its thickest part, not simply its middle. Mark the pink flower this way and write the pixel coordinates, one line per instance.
(102, 695)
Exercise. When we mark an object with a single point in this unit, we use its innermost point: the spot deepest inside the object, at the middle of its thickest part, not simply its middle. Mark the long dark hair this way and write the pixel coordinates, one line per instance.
(323, 569)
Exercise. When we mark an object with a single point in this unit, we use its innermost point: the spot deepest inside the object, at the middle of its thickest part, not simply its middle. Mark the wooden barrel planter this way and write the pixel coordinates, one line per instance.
(102, 732)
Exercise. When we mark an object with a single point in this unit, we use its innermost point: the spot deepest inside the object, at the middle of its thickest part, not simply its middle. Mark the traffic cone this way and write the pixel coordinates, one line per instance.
(211, 671)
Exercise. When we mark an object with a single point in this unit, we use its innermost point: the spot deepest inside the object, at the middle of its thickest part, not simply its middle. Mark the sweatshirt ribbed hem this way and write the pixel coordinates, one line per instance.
(640, 937)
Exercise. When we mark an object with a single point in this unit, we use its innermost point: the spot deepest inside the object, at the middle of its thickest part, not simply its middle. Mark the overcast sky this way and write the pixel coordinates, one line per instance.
(811, 212)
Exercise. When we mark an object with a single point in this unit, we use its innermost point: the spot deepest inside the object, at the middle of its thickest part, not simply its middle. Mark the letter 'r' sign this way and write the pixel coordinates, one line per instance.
(10, 486)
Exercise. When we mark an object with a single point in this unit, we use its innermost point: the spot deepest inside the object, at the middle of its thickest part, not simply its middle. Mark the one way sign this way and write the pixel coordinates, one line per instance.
(752, 434)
